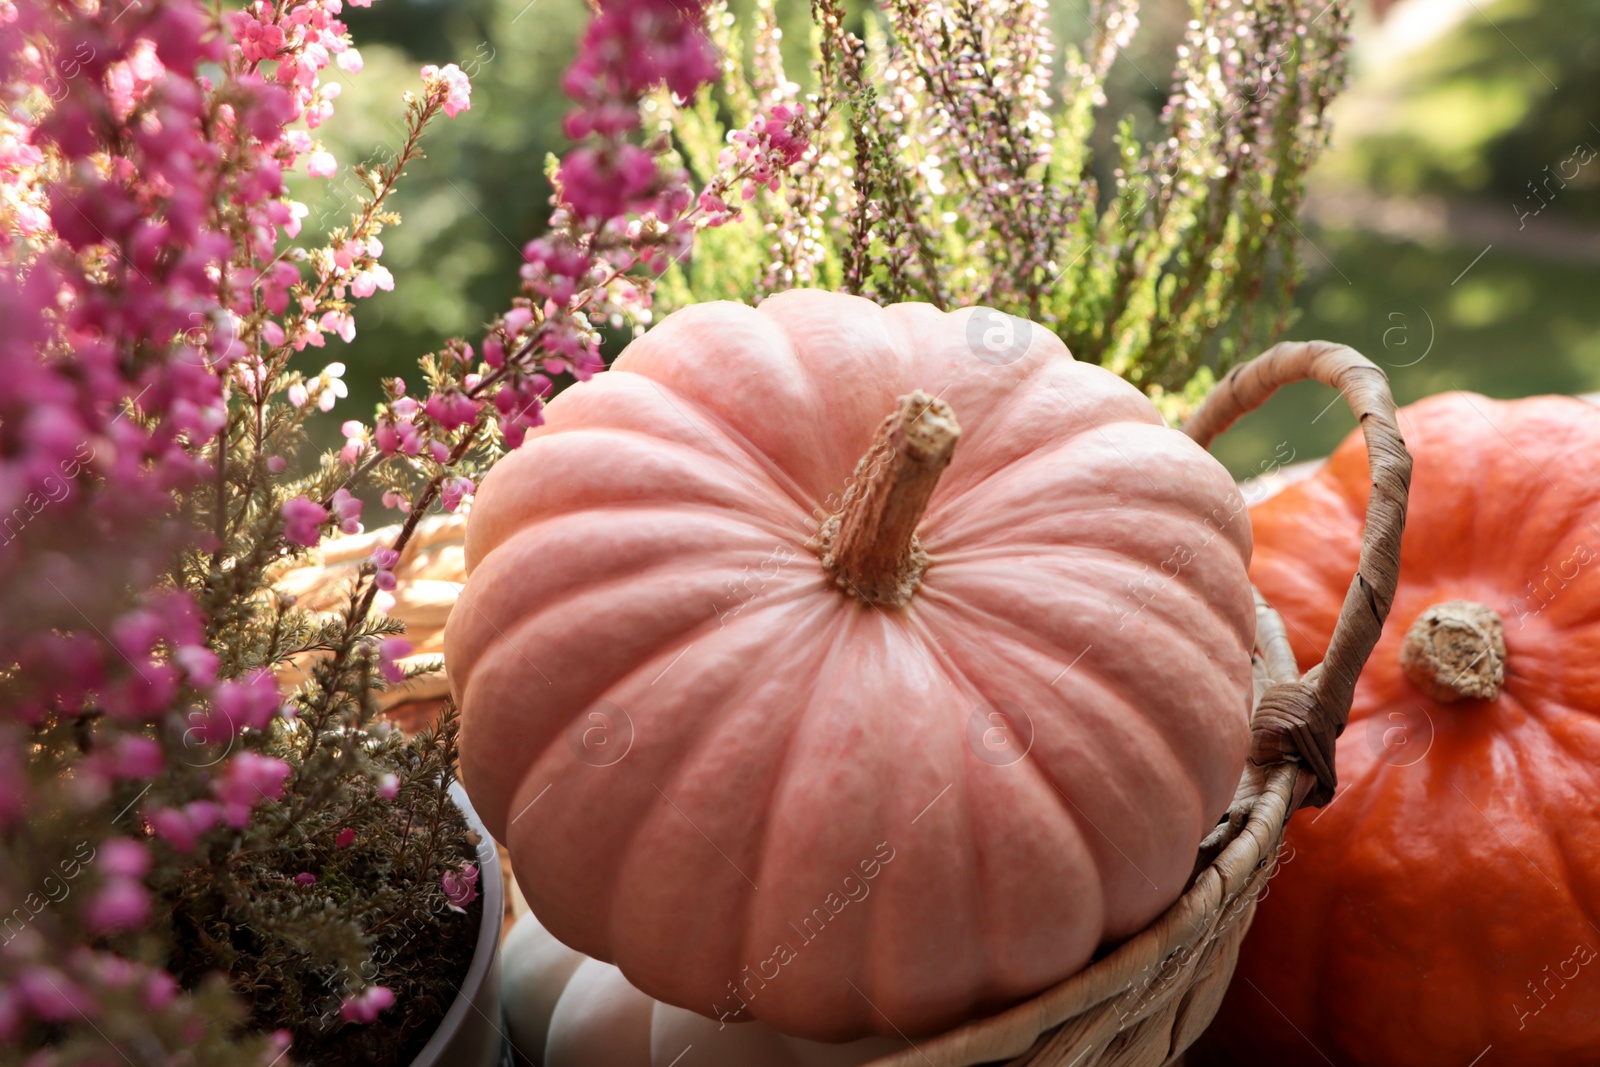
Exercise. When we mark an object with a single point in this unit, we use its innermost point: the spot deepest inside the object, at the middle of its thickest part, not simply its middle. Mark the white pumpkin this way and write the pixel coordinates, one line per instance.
(567, 1010)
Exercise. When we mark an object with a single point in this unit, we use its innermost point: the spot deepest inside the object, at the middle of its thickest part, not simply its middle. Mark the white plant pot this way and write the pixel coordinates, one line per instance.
(470, 1034)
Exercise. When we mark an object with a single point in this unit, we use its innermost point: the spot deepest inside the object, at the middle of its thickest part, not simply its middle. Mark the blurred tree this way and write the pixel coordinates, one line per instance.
(1502, 107)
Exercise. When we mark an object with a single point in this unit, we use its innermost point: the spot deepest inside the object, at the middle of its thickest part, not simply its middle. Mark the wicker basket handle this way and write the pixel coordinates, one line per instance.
(1301, 720)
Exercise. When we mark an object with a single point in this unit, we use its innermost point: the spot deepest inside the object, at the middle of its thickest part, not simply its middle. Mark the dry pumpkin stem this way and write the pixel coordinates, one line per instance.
(1456, 651)
(870, 546)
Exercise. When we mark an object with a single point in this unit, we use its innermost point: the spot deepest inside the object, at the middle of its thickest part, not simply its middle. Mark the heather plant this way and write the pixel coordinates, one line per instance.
(949, 168)
(202, 860)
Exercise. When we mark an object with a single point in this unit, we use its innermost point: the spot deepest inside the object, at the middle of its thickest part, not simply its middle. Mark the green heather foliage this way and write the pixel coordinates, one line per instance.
(951, 170)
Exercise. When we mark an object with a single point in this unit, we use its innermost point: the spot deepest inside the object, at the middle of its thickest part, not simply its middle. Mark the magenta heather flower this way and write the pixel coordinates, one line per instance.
(150, 291)
(389, 786)
(52, 995)
(123, 857)
(390, 651)
(247, 703)
(305, 878)
(347, 510)
(248, 779)
(454, 491)
(120, 904)
(460, 886)
(605, 182)
(137, 757)
(182, 827)
(771, 144)
(383, 562)
(355, 443)
(302, 521)
(366, 1006)
(452, 410)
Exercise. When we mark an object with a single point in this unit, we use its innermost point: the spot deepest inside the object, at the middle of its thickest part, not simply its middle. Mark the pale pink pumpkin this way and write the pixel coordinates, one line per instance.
(761, 795)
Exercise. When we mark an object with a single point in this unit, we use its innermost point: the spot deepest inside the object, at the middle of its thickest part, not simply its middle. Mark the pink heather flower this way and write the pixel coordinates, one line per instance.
(257, 39)
(388, 787)
(297, 213)
(348, 510)
(51, 995)
(181, 827)
(247, 703)
(247, 780)
(199, 664)
(350, 59)
(397, 501)
(452, 410)
(339, 322)
(120, 904)
(277, 464)
(390, 651)
(452, 80)
(159, 990)
(455, 490)
(345, 839)
(398, 435)
(302, 520)
(714, 210)
(516, 320)
(461, 887)
(365, 1007)
(771, 144)
(364, 283)
(305, 878)
(123, 857)
(384, 559)
(355, 434)
(137, 757)
(275, 286)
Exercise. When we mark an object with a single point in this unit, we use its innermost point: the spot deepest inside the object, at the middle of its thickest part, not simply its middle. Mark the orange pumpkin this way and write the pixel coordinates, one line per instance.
(852, 753)
(1443, 907)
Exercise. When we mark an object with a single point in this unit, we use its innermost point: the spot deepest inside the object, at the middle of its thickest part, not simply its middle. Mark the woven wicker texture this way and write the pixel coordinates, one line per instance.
(428, 580)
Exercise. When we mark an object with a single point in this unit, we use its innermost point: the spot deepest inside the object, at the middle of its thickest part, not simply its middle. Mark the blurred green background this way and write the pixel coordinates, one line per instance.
(1452, 233)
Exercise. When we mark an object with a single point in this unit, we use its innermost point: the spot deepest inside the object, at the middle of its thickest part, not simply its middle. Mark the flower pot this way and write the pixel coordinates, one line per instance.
(470, 1034)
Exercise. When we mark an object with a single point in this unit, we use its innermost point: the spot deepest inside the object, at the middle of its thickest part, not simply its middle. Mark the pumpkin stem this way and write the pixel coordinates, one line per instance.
(1456, 651)
(870, 544)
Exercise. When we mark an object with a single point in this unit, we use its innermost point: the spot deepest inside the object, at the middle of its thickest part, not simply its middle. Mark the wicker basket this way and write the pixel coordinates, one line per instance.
(428, 579)
(1148, 999)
